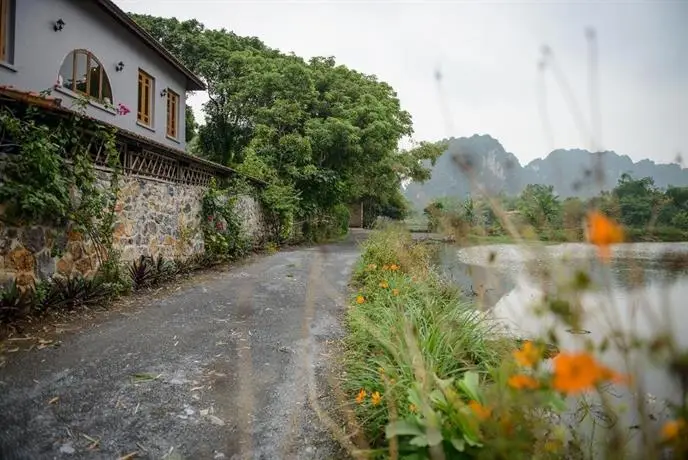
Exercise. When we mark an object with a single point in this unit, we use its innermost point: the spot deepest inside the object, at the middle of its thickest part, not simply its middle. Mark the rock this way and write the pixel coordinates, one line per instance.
(83, 265)
(73, 235)
(21, 260)
(34, 239)
(5, 243)
(76, 249)
(67, 449)
(46, 264)
(24, 279)
(59, 242)
(150, 229)
(65, 265)
(216, 420)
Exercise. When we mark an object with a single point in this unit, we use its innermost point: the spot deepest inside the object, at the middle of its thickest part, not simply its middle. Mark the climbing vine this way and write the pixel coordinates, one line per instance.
(223, 234)
(48, 176)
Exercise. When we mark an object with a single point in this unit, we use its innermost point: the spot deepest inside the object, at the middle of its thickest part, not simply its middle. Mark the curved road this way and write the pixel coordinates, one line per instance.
(221, 368)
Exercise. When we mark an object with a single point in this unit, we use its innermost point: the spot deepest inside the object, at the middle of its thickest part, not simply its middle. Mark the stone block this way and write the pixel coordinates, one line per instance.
(83, 266)
(33, 239)
(21, 259)
(65, 265)
(45, 264)
(25, 279)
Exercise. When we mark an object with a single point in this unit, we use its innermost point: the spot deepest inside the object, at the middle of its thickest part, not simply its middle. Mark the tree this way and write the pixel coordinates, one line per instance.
(539, 205)
(639, 200)
(324, 131)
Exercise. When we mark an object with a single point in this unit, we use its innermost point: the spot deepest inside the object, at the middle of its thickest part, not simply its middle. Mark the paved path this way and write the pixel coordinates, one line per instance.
(229, 362)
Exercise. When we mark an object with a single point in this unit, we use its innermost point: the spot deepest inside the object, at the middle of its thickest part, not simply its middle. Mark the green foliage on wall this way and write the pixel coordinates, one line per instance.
(223, 235)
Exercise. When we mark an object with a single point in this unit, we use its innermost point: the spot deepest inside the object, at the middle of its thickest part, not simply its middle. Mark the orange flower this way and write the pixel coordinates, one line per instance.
(576, 372)
(360, 299)
(384, 284)
(376, 398)
(480, 411)
(529, 355)
(672, 429)
(385, 267)
(394, 267)
(361, 396)
(603, 232)
(395, 291)
(523, 382)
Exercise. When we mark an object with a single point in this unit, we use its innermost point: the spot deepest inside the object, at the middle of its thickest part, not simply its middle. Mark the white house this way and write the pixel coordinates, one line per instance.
(94, 49)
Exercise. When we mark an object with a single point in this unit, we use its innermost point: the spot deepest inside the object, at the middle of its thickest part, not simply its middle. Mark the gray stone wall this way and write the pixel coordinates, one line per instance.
(153, 218)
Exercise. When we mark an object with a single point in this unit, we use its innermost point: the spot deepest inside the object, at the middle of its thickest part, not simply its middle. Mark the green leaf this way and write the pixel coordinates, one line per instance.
(469, 384)
(403, 428)
(434, 436)
(420, 441)
(458, 443)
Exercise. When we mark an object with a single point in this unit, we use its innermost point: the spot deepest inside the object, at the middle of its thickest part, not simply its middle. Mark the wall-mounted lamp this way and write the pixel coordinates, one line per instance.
(163, 93)
(59, 25)
(119, 66)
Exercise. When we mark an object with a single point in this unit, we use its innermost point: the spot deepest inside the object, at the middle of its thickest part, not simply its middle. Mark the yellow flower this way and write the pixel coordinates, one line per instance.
(603, 232)
(523, 382)
(381, 370)
(384, 284)
(480, 411)
(394, 267)
(372, 266)
(361, 396)
(395, 291)
(376, 398)
(576, 372)
(413, 408)
(360, 299)
(529, 355)
(672, 429)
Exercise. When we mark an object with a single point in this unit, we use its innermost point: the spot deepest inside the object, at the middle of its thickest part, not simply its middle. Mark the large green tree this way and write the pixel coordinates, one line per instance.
(318, 131)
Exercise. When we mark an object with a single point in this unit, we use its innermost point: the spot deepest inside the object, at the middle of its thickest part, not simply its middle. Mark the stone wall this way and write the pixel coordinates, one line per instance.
(153, 218)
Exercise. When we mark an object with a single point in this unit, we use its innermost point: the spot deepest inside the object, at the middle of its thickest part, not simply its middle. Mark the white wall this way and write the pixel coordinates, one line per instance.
(39, 52)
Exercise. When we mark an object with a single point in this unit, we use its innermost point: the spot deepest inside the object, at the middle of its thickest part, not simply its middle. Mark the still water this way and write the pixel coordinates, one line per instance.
(643, 291)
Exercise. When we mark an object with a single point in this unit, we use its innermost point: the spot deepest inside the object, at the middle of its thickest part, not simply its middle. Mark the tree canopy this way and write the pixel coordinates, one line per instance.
(317, 131)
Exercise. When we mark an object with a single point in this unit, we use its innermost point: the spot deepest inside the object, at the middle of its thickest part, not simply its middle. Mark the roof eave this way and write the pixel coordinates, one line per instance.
(193, 82)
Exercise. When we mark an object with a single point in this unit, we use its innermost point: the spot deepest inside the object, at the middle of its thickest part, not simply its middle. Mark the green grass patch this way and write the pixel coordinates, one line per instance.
(407, 332)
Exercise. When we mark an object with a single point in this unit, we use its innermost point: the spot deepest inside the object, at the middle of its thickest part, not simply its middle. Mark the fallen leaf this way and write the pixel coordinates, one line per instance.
(129, 456)
(144, 377)
(54, 400)
(216, 420)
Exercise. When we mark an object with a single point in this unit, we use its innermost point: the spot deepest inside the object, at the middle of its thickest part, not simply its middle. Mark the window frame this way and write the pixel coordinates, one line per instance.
(7, 31)
(172, 125)
(102, 77)
(142, 118)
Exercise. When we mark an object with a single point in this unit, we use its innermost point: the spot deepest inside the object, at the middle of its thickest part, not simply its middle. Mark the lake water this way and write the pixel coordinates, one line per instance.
(643, 290)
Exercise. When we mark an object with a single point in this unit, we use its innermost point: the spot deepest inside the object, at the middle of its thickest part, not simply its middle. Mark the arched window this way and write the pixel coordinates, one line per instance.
(83, 73)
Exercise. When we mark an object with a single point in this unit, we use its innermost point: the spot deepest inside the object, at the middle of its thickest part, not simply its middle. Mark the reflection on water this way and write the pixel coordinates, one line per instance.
(644, 290)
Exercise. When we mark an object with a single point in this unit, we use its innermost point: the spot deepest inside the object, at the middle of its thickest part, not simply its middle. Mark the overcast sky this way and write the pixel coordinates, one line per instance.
(487, 53)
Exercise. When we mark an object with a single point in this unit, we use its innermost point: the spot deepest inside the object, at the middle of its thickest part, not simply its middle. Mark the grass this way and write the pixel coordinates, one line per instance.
(428, 376)
(408, 316)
